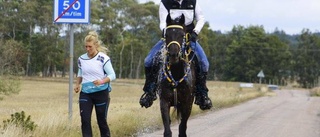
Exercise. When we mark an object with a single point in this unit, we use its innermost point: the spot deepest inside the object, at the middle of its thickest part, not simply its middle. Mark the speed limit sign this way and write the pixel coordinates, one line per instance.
(71, 11)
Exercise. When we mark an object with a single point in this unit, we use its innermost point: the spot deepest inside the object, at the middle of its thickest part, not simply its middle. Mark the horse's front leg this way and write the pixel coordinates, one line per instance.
(165, 114)
(185, 114)
(183, 125)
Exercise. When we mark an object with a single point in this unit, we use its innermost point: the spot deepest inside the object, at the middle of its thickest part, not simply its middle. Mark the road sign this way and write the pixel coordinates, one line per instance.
(71, 11)
(260, 74)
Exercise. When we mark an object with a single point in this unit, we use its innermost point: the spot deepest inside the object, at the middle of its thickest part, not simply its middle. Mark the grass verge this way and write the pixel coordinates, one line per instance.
(46, 100)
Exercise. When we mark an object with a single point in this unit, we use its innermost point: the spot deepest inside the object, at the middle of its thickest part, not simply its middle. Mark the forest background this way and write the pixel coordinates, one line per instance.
(32, 45)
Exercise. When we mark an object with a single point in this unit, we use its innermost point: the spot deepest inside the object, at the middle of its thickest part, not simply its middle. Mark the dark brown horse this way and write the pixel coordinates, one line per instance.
(177, 85)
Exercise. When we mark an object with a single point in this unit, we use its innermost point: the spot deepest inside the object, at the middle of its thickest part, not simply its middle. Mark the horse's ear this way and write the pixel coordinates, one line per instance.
(182, 19)
(168, 19)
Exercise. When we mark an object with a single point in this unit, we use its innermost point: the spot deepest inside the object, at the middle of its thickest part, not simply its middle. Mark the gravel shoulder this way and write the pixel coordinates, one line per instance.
(291, 113)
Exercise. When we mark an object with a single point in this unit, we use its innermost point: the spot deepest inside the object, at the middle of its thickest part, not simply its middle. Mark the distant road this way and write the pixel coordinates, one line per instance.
(292, 113)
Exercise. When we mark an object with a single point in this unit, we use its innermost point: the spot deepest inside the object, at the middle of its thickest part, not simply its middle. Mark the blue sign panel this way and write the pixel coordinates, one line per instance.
(71, 11)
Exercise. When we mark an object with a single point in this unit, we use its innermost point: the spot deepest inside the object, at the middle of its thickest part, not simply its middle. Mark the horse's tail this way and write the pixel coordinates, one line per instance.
(176, 111)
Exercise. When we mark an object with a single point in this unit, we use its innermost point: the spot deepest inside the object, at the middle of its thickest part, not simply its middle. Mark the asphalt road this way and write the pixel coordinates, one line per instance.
(291, 113)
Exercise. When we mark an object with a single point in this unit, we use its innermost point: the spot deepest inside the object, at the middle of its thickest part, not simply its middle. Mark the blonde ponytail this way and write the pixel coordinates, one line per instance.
(94, 37)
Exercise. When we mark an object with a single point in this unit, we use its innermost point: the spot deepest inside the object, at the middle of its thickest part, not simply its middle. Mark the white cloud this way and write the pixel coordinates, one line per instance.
(289, 15)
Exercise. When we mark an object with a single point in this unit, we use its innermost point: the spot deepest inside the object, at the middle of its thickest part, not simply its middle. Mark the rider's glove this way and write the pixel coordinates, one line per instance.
(194, 36)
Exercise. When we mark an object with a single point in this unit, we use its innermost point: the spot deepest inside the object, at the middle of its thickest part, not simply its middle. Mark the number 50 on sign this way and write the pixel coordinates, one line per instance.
(71, 11)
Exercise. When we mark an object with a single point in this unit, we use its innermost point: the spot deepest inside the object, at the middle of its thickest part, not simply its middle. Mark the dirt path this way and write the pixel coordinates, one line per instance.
(292, 113)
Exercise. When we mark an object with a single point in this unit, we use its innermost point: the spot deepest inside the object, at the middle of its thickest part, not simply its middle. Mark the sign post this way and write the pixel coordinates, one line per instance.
(70, 12)
(260, 75)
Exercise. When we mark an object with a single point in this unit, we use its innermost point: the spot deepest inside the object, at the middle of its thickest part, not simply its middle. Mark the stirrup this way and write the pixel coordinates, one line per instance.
(198, 99)
(206, 103)
(146, 100)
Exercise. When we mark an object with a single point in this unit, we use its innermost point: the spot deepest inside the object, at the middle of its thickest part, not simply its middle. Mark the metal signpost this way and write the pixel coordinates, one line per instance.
(260, 75)
(70, 12)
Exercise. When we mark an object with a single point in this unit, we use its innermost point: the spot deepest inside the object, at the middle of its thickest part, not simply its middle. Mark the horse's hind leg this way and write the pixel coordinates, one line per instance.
(165, 114)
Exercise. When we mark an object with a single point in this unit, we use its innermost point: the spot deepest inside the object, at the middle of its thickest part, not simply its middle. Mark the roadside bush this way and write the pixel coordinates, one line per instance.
(20, 120)
(315, 91)
(9, 85)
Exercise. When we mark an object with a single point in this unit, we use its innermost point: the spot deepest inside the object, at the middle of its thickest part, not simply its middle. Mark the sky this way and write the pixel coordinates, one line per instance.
(291, 16)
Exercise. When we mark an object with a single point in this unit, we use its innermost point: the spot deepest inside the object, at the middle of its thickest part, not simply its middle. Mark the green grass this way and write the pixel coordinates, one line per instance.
(315, 92)
(46, 100)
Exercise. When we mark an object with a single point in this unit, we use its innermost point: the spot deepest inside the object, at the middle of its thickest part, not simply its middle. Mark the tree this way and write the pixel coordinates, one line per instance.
(12, 54)
(306, 61)
(252, 50)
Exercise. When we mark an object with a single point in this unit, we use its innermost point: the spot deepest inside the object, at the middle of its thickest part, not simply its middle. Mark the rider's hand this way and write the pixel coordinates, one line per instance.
(194, 36)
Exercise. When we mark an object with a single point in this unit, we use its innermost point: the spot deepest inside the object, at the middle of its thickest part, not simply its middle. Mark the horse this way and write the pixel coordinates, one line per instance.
(177, 85)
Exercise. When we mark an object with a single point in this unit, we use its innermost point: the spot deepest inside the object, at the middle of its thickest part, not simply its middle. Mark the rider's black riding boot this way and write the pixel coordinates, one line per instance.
(149, 88)
(202, 98)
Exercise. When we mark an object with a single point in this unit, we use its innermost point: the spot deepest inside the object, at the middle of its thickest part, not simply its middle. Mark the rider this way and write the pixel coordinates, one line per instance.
(191, 11)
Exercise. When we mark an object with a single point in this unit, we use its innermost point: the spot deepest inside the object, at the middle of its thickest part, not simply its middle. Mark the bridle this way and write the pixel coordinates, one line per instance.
(175, 41)
(183, 56)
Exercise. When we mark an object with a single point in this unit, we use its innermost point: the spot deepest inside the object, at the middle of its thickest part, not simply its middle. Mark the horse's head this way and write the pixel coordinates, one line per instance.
(175, 37)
